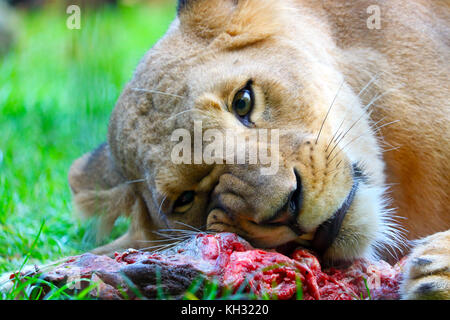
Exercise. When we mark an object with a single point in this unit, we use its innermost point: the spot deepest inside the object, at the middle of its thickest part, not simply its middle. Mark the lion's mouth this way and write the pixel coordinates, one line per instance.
(327, 232)
(324, 235)
(319, 240)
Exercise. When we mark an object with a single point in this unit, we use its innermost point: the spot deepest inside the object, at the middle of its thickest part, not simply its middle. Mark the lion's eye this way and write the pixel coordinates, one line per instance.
(243, 103)
(184, 202)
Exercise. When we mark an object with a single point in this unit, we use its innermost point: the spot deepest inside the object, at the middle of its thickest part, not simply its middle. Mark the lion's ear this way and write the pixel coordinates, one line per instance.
(206, 18)
(99, 189)
(239, 22)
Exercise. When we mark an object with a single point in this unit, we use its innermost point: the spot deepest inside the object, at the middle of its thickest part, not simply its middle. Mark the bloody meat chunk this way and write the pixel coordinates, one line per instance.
(233, 263)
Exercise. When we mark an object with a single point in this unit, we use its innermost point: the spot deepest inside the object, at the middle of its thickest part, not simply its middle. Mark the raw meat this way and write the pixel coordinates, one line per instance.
(234, 264)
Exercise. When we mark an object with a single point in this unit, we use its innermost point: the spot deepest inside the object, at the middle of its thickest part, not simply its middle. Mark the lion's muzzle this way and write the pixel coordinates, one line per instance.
(257, 207)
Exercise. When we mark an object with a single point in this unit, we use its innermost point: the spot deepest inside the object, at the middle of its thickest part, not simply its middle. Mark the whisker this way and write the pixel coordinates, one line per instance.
(352, 126)
(346, 112)
(135, 181)
(365, 108)
(158, 92)
(160, 247)
(175, 233)
(376, 123)
(156, 241)
(378, 97)
(391, 149)
(392, 184)
(189, 226)
(329, 172)
(169, 237)
(356, 138)
(353, 140)
(178, 114)
(362, 115)
(161, 214)
(328, 112)
(384, 125)
(177, 230)
(368, 83)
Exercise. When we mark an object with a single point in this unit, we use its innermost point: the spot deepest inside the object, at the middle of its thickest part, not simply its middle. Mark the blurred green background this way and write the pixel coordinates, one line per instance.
(57, 89)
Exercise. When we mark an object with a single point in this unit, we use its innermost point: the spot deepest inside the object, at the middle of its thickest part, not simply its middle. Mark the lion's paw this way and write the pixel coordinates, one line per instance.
(427, 270)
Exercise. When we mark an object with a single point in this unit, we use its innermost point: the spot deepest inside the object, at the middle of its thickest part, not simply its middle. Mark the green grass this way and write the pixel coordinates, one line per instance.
(57, 89)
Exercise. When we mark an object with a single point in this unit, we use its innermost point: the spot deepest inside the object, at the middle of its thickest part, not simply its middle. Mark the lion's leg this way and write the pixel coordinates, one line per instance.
(100, 190)
(140, 233)
(427, 273)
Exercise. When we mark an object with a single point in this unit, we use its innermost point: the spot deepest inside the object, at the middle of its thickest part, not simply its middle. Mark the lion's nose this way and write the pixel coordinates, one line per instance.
(289, 213)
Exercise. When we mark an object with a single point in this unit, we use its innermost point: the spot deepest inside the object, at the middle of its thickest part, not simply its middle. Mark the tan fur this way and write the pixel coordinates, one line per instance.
(319, 74)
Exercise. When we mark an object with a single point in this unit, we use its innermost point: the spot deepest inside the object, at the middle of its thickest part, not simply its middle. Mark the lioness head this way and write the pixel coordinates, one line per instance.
(239, 67)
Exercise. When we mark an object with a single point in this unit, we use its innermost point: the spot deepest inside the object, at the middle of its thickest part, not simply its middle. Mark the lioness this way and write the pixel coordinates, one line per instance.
(362, 106)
